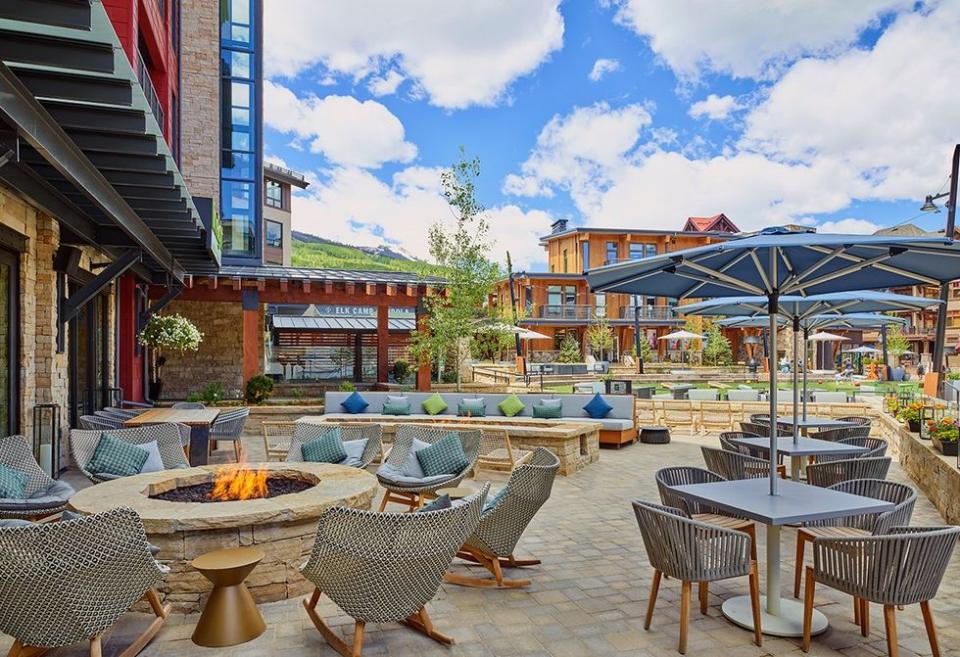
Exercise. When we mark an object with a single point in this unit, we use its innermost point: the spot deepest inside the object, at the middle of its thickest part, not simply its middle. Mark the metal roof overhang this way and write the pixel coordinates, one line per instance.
(297, 323)
(87, 147)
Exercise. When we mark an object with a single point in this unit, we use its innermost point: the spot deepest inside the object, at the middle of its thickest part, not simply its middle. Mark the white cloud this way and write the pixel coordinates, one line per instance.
(714, 107)
(749, 38)
(342, 128)
(386, 84)
(849, 226)
(889, 113)
(460, 54)
(603, 66)
(352, 205)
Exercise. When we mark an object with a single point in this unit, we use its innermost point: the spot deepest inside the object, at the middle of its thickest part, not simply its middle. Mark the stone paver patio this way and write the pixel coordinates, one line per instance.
(589, 596)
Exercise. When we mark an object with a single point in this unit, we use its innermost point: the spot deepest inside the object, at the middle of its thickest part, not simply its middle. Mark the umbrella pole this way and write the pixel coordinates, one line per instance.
(796, 382)
(806, 334)
(772, 366)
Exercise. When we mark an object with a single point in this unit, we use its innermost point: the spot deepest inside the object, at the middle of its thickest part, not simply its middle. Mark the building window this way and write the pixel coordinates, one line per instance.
(649, 250)
(566, 263)
(638, 250)
(9, 348)
(600, 305)
(585, 255)
(612, 254)
(274, 195)
(239, 233)
(274, 233)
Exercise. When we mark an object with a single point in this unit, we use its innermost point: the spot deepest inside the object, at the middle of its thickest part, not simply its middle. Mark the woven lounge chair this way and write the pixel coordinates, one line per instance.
(669, 478)
(692, 551)
(903, 496)
(502, 525)
(43, 495)
(349, 432)
(71, 581)
(169, 440)
(405, 489)
(385, 567)
(277, 437)
(734, 464)
(901, 568)
(828, 473)
(228, 427)
(497, 453)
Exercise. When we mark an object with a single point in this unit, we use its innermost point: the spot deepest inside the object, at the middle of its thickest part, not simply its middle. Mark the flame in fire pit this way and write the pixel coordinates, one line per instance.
(239, 483)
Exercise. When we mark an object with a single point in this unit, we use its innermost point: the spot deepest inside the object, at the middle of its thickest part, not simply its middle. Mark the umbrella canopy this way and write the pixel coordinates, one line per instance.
(823, 336)
(525, 334)
(862, 350)
(796, 307)
(852, 320)
(681, 335)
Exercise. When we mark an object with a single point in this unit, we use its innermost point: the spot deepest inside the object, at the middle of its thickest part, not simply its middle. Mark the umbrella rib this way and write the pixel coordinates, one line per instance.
(692, 291)
(843, 271)
(893, 269)
(814, 267)
(760, 270)
(720, 276)
(704, 279)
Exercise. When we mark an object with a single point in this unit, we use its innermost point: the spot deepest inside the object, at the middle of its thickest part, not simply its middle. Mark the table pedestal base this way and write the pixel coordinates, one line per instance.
(788, 623)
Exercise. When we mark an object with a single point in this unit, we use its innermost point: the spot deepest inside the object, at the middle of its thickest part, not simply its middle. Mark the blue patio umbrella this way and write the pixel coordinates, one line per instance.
(777, 263)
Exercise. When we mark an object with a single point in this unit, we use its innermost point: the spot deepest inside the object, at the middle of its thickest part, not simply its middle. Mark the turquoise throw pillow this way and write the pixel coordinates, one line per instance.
(472, 408)
(13, 483)
(117, 457)
(544, 412)
(442, 502)
(327, 448)
(446, 456)
(396, 408)
(494, 500)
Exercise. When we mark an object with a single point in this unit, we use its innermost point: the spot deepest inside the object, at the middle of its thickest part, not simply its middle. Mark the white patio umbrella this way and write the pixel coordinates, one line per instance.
(863, 349)
(683, 335)
(819, 336)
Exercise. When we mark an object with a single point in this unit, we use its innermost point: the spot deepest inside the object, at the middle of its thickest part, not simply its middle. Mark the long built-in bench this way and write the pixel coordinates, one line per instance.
(617, 428)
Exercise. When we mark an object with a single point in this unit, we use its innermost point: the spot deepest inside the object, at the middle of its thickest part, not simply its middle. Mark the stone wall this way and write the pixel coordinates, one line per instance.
(200, 97)
(220, 356)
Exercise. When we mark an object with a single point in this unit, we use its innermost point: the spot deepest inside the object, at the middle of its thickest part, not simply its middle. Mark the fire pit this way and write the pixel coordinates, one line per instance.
(272, 505)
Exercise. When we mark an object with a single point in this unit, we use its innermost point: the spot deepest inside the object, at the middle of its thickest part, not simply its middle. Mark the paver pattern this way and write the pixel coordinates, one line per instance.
(589, 596)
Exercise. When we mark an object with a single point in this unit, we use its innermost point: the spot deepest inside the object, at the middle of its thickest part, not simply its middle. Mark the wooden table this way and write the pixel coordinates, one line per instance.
(199, 421)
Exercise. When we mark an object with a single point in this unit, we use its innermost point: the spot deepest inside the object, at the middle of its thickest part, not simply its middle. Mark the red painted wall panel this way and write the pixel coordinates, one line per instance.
(131, 365)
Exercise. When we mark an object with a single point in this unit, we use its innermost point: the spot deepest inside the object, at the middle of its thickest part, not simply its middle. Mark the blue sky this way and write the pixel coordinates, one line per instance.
(633, 113)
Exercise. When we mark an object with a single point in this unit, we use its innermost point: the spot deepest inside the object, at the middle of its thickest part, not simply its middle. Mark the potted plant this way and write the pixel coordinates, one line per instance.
(911, 415)
(167, 332)
(944, 435)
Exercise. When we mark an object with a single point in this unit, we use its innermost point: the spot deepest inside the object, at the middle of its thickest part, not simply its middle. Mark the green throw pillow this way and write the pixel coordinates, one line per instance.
(117, 457)
(434, 404)
(511, 406)
(327, 448)
(545, 412)
(13, 483)
(396, 408)
(444, 457)
(472, 408)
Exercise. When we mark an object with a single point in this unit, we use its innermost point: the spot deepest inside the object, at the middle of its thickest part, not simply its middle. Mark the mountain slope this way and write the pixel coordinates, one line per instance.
(318, 252)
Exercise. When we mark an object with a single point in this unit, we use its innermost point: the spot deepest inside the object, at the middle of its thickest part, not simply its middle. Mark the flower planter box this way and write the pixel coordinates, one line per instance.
(914, 426)
(947, 448)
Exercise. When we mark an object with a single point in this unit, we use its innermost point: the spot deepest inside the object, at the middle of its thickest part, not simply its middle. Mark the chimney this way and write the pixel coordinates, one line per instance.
(558, 226)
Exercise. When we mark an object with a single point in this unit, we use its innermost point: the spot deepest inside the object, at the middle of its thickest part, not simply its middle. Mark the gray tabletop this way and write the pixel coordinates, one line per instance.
(795, 502)
(803, 446)
(813, 422)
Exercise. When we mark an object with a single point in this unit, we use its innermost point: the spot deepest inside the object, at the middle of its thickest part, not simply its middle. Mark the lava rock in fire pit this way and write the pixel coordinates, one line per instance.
(275, 485)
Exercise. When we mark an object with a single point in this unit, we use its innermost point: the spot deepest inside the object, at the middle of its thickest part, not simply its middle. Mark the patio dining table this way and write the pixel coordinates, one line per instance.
(198, 419)
(797, 449)
(795, 503)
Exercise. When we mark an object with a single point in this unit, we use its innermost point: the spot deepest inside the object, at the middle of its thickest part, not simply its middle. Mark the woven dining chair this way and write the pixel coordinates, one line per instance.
(691, 551)
(734, 464)
(828, 473)
(860, 420)
(43, 495)
(874, 447)
(763, 430)
(168, 437)
(841, 433)
(277, 437)
(99, 423)
(189, 406)
(504, 520)
(385, 567)
(728, 442)
(669, 478)
(903, 567)
(411, 491)
(371, 432)
(228, 427)
(902, 495)
(71, 581)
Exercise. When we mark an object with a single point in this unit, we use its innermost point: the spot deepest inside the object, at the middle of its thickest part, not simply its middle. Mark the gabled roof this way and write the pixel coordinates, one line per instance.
(716, 223)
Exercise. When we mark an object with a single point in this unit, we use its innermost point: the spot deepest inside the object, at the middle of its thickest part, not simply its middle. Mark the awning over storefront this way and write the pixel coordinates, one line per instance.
(78, 136)
(286, 322)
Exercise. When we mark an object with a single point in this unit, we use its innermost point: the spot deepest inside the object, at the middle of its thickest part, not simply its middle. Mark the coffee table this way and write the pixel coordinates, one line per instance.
(230, 616)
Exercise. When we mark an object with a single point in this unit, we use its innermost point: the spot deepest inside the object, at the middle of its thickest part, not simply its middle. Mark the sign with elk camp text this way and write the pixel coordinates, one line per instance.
(329, 310)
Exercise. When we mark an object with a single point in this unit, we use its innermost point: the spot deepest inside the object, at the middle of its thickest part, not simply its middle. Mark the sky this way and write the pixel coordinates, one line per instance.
(611, 113)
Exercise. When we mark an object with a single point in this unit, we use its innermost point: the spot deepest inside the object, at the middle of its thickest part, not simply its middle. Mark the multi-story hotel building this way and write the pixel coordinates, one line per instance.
(558, 303)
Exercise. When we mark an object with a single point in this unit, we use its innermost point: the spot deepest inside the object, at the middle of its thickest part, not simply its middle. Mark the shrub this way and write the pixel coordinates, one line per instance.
(297, 393)
(259, 389)
(347, 386)
(209, 394)
(401, 370)
(569, 350)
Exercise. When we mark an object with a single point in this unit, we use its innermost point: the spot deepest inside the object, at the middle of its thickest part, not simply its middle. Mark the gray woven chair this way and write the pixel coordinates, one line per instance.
(228, 427)
(859, 420)
(693, 551)
(903, 496)
(349, 432)
(385, 567)
(901, 568)
(760, 418)
(669, 478)
(99, 423)
(842, 433)
(43, 496)
(190, 406)
(763, 430)
(409, 490)
(828, 473)
(734, 465)
(727, 439)
(65, 582)
(875, 447)
(125, 413)
(502, 525)
(168, 437)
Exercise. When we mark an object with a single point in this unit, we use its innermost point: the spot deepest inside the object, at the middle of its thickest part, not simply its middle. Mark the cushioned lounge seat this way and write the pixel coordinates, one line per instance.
(43, 496)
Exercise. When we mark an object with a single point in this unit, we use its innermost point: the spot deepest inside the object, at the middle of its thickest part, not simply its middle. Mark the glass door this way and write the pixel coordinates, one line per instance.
(9, 347)
(88, 378)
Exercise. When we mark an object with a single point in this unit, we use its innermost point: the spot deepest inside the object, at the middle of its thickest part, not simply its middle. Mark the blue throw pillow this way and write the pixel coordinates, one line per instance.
(444, 457)
(327, 448)
(598, 408)
(442, 502)
(494, 500)
(354, 404)
(13, 483)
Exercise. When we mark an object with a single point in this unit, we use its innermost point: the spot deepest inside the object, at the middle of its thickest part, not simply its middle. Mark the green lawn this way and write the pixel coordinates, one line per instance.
(882, 388)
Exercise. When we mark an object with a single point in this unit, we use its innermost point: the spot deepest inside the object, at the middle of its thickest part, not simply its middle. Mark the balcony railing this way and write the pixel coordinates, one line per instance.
(148, 90)
(649, 312)
(584, 312)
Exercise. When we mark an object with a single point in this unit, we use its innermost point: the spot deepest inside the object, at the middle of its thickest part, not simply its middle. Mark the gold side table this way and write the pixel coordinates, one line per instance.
(230, 616)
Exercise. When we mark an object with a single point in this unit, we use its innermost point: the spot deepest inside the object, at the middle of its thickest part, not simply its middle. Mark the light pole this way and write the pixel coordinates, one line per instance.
(930, 206)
